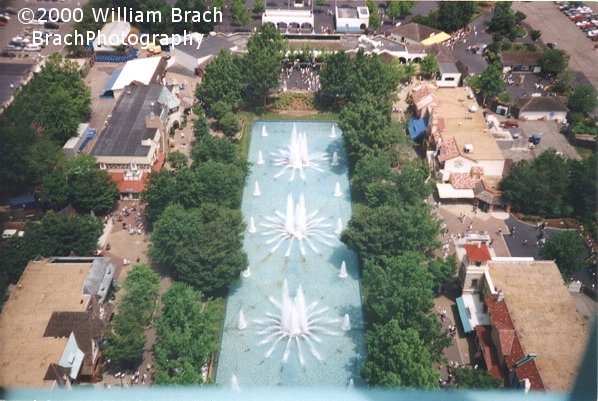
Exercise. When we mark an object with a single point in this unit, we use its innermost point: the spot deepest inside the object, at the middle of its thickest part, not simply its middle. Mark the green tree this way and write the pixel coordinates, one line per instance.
(187, 335)
(203, 26)
(429, 66)
(125, 340)
(374, 22)
(503, 22)
(159, 192)
(215, 182)
(534, 34)
(583, 100)
(177, 160)
(92, 189)
(261, 64)
(229, 123)
(583, 187)
(453, 15)
(398, 358)
(540, 186)
(63, 236)
(372, 75)
(15, 156)
(205, 249)
(258, 7)
(569, 251)
(335, 74)
(221, 81)
(201, 127)
(208, 148)
(469, 378)
(562, 83)
(489, 84)
(554, 61)
(240, 13)
(395, 8)
(388, 231)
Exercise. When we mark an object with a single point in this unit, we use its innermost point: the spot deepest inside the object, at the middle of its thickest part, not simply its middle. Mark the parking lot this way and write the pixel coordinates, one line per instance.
(556, 27)
(519, 148)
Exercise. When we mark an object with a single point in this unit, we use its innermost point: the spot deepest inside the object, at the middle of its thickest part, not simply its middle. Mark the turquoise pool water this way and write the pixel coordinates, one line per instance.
(342, 352)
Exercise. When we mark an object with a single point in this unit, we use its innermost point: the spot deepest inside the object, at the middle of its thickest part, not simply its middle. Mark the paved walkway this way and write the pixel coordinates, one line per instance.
(518, 247)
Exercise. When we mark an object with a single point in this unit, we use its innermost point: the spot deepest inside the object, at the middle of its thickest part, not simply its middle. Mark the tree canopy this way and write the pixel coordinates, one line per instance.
(469, 378)
(221, 81)
(503, 22)
(203, 246)
(453, 15)
(429, 66)
(186, 335)
(396, 9)
(489, 84)
(554, 61)
(583, 100)
(569, 251)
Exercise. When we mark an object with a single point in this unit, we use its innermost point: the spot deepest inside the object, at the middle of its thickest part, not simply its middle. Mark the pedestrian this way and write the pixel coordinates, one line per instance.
(499, 232)
(524, 243)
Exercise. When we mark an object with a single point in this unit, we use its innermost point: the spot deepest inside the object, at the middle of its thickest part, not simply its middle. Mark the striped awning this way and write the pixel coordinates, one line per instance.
(463, 315)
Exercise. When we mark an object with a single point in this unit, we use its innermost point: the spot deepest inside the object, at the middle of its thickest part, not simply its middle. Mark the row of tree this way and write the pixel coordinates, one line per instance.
(392, 228)
(45, 113)
(125, 341)
(187, 335)
(450, 15)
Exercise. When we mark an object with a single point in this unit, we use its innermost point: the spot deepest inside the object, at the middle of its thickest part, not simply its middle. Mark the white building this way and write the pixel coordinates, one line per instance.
(115, 33)
(352, 19)
(448, 76)
(543, 108)
(291, 20)
(142, 70)
(198, 50)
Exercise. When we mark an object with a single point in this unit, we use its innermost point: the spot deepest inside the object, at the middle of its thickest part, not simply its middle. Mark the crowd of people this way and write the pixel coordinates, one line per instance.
(298, 76)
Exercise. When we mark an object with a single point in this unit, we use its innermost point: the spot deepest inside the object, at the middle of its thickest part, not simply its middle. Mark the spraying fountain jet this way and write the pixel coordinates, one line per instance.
(264, 132)
(251, 227)
(296, 322)
(334, 159)
(256, 189)
(242, 324)
(346, 325)
(343, 271)
(296, 224)
(246, 273)
(337, 190)
(260, 158)
(351, 383)
(339, 226)
(297, 157)
(333, 132)
(234, 383)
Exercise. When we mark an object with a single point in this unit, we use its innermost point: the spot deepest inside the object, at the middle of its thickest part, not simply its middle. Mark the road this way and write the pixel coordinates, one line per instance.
(557, 28)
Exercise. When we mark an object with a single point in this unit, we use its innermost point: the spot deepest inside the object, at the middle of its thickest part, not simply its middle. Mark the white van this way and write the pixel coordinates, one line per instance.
(8, 234)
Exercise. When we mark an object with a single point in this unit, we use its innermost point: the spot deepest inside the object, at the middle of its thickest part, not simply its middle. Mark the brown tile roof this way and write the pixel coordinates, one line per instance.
(542, 103)
(414, 31)
(477, 170)
(510, 344)
(520, 58)
(477, 253)
(493, 365)
(462, 181)
(448, 150)
(57, 373)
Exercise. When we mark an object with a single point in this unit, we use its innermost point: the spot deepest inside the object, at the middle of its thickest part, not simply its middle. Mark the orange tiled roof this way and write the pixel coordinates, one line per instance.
(448, 150)
(462, 181)
(128, 186)
(478, 253)
(477, 170)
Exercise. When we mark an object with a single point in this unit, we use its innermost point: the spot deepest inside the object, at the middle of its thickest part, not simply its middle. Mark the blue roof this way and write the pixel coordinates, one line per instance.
(112, 79)
(417, 127)
(463, 315)
(22, 201)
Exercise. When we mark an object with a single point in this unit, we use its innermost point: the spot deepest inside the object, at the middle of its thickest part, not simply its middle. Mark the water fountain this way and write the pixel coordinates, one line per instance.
(334, 159)
(242, 324)
(339, 226)
(351, 383)
(333, 132)
(234, 383)
(256, 189)
(246, 273)
(296, 157)
(343, 271)
(296, 224)
(296, 322)
(337, 190)
(264, 132)
(346, 325)
(260, 158)
(251, 227)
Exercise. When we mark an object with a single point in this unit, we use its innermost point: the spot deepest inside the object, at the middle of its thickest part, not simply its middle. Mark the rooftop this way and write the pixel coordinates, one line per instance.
(477, 252)
(542, 103)
(520, 58)
(127, 127)
(467, 127)
(414, 31)
(209, 45)
(448, 68)
(143, 70)
(25, 354)
(544, 317)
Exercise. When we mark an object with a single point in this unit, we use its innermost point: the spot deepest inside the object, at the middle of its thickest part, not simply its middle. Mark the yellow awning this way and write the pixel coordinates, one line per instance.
(438, 38)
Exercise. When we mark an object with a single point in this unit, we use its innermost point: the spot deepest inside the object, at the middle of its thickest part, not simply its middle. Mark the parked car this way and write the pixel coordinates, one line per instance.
(535, 138)
(32, 48)
(51, 25)
(7, 53)
(509, 124)
(14, 48)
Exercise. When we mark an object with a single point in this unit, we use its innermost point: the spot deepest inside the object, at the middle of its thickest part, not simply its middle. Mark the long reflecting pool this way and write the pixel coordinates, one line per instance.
(295, 316)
